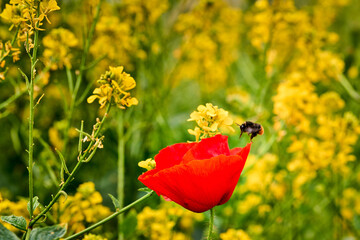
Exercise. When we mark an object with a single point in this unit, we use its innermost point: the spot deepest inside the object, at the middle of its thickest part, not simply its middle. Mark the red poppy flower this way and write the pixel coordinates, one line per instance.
(198, 176)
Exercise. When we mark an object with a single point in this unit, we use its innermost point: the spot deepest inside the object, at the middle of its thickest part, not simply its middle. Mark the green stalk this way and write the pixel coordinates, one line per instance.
(31, 117)
(121, 169)
(105, 220)
(80, 75)
(72, 174)
(211, 224)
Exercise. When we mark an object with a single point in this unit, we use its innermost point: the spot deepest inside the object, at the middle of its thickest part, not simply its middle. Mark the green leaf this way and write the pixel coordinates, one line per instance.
(7, 234)
(48, 233)
(26, 79)
(115, 202)
(62, 161)
(18, 222)
(35, 204)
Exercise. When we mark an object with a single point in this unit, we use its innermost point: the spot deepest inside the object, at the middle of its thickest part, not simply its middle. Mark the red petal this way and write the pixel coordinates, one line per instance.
(197, 185)
(171, 155)
(208, 148)
(242, 152)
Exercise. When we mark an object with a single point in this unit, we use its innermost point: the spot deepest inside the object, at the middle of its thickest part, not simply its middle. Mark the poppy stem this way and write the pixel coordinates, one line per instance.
(211, 223)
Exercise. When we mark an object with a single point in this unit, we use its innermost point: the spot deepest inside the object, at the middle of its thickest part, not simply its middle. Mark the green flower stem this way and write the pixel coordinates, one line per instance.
(121, 168)
(80, 75)
(81, 159)
(28, 231)
(105, 220)
(211, 223)
(31, 117)
(349, 88)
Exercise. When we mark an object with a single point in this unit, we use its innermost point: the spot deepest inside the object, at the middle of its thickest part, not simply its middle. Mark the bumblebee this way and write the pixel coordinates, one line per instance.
(252, 129)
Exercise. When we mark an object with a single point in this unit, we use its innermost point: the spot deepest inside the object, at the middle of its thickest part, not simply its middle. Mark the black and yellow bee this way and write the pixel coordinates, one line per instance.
(252, 129)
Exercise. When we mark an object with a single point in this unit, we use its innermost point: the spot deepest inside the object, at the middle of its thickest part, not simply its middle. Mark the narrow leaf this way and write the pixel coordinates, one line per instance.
(48, 233)
(26, 78)
(18, 222)
(7, 234)
(62, 161)
(81, 136)
(115, 202)
(35, 204)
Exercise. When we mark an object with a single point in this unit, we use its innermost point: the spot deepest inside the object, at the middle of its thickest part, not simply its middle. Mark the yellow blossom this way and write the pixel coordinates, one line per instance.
(11, 14)
(148, 164)
(160, 223)
(18, 208)
(114, 86)
(46, 7)
(58, 44)
(210, 36)
(81, 209)
(210, 119)
(233, 234)
(93, 237)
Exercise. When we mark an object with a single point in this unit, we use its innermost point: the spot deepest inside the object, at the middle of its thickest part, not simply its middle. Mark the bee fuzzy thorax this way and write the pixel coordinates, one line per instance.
(252, 129)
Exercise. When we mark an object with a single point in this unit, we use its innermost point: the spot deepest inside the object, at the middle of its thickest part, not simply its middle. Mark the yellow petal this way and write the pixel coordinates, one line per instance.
(92, 98)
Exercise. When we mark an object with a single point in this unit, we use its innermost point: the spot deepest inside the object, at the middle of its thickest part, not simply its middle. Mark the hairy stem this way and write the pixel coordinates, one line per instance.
(211, 224)
(31, 115)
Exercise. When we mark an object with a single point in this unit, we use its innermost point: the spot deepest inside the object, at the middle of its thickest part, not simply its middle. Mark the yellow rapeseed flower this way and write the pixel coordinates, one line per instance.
(233, 234)
(210, 119)
(93, 237)
(148, 164)
(83, 208)
(114, 86)
(57, 45)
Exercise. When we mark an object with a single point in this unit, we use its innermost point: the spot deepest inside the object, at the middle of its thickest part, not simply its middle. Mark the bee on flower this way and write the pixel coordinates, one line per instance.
(115, 85)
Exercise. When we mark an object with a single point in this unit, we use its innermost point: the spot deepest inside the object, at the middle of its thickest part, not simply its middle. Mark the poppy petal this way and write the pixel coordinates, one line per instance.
(197, 185)
(208, 148)
(171, 155)
(242, 152)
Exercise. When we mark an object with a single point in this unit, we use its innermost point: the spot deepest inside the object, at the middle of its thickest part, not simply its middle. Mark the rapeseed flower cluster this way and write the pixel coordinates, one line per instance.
(168, 222)
(109, 29)
(262, 177)
(27, 16)
(24, 16)
(210, 119)
(350, 203)
(114, 86)
(210, 33)
(297, 47)
(82, 209)
(8, 208)
(93, 237)
(125, 33)
(58, 44)
(233, 234)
